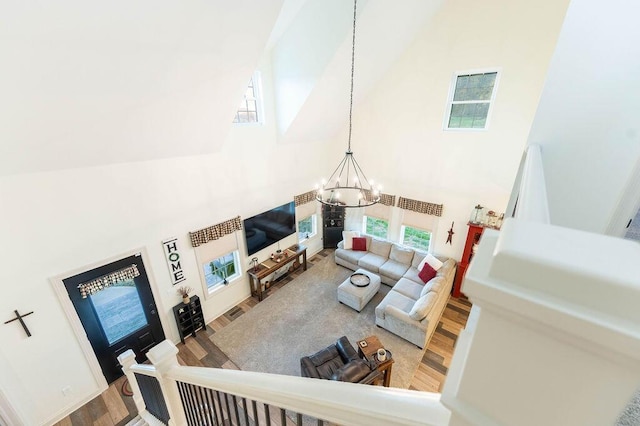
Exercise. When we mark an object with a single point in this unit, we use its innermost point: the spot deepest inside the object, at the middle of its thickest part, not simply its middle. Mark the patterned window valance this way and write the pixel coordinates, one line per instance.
(420, 206)
(100, 283)
(386, 199)
(214, 232)
(305, 198)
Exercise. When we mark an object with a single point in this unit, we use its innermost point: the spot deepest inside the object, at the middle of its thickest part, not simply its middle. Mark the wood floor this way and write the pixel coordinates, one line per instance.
(111, 408)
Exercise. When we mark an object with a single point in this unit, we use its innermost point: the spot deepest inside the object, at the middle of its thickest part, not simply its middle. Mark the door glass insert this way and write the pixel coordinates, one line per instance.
(633, 231)
(119, 310)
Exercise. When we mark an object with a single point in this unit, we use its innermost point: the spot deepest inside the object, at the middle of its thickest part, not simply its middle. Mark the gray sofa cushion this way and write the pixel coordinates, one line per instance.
(412, 274)
(350, 255)
(396, 299)
(371, 262)
(417, 258)
(401, 254)
(423, 306)
(381, 248)
(394, 269)
(409, 288)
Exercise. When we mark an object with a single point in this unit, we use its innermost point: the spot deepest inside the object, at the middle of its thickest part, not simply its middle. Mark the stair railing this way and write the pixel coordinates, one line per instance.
(197, 396)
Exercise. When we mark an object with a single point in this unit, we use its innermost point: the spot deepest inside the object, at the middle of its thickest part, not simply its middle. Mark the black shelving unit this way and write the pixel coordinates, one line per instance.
(189, 318)
(332, 225)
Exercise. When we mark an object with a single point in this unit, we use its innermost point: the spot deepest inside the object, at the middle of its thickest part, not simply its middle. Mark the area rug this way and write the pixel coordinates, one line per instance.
(305, 316)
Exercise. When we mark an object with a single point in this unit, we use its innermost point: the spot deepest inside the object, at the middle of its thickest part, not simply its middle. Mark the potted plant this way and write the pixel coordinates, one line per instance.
(184, 292)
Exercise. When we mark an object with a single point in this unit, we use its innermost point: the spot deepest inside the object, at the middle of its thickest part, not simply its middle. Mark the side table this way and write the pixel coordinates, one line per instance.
(367, 349)
(264, 269)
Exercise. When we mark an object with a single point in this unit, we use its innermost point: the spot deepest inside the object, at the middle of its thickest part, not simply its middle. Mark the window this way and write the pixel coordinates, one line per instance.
(416, 238)
(221, 270)
(633, 230)
(250, 110)
(375, 227)
(119, 310)
(307, 227)
(470, 100)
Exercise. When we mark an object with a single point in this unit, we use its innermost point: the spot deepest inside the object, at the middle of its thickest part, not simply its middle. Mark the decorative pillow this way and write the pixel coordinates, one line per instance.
(359, 243)
(422, 306)
(434, 262)
(347, 237)
(431, 260)
(427, 273)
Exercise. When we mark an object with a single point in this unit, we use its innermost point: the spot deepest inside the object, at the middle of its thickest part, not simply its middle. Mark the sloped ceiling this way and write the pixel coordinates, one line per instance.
(94, 83)
(91, 83)
(312, 60)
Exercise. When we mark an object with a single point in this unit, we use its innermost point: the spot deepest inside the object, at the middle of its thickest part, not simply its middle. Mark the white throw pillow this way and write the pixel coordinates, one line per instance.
(432, 261)
(347, 237)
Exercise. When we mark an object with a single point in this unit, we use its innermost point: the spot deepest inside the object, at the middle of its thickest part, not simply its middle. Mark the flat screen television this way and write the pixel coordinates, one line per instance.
(269, 227)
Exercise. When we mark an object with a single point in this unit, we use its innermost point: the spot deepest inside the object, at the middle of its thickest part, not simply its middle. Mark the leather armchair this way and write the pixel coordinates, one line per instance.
(339, 362)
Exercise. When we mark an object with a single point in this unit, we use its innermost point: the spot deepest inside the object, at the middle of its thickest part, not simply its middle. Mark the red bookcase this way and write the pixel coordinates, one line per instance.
(473, 238)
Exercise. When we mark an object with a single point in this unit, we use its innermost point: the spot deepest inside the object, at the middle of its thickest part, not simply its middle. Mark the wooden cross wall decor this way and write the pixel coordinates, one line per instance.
(19, 318)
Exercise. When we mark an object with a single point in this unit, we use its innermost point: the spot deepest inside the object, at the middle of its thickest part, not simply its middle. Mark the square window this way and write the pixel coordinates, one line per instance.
(307, 227)
(470, 100)
(375, 227)
(250, 109)
(221, 270)
(417, 238)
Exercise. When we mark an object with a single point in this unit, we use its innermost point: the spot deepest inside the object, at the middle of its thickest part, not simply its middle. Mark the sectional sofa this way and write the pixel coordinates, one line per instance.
(412, 308)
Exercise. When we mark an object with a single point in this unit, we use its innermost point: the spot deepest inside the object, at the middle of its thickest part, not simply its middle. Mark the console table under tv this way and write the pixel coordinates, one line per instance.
(269, 266)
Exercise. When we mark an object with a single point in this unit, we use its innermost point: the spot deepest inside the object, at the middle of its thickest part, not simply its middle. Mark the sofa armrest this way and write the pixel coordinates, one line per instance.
(346, 350)
(400, 323)
(341, 244)
(400, 315)
(371, 377)
(307, 369)
(353, 372)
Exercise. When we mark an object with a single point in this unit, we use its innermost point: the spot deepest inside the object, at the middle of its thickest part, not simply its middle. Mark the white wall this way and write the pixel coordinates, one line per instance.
(398, 137)
(57, 222)
(587, 120)
(104, 83)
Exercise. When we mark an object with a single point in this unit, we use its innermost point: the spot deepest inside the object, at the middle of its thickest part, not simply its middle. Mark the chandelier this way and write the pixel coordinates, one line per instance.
(348, 186)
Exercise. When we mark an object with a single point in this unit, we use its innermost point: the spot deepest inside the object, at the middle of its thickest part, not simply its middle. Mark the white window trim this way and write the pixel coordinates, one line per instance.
(217, 287)
(314, 227)
(257, 87)
(364, 226)
(452, 89)
(401, 241)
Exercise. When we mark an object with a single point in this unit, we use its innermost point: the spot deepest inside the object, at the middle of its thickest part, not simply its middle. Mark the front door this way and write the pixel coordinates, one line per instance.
(117, 310)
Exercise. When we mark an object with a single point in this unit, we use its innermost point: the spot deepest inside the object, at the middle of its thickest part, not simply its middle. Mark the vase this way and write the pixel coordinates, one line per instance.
(186, 300)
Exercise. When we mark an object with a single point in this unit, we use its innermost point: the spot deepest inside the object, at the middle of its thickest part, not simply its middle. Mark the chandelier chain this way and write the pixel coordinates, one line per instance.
(353, 58)
(348, 186)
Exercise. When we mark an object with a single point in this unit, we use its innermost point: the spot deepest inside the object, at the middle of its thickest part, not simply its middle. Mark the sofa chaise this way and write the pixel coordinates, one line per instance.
(413, 306)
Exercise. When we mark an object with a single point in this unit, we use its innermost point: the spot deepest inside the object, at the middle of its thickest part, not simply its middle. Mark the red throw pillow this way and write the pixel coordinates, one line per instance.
(427, 273)
(359, 244)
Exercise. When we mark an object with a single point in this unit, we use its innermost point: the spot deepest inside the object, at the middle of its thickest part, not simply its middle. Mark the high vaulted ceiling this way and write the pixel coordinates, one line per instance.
(94, 83)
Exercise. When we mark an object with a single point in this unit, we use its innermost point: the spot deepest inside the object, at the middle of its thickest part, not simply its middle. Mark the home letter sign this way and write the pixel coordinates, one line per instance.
(173, 260)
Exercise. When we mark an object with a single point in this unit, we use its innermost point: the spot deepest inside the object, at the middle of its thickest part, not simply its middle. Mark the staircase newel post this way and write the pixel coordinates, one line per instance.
(163, 357)
(127, 359)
